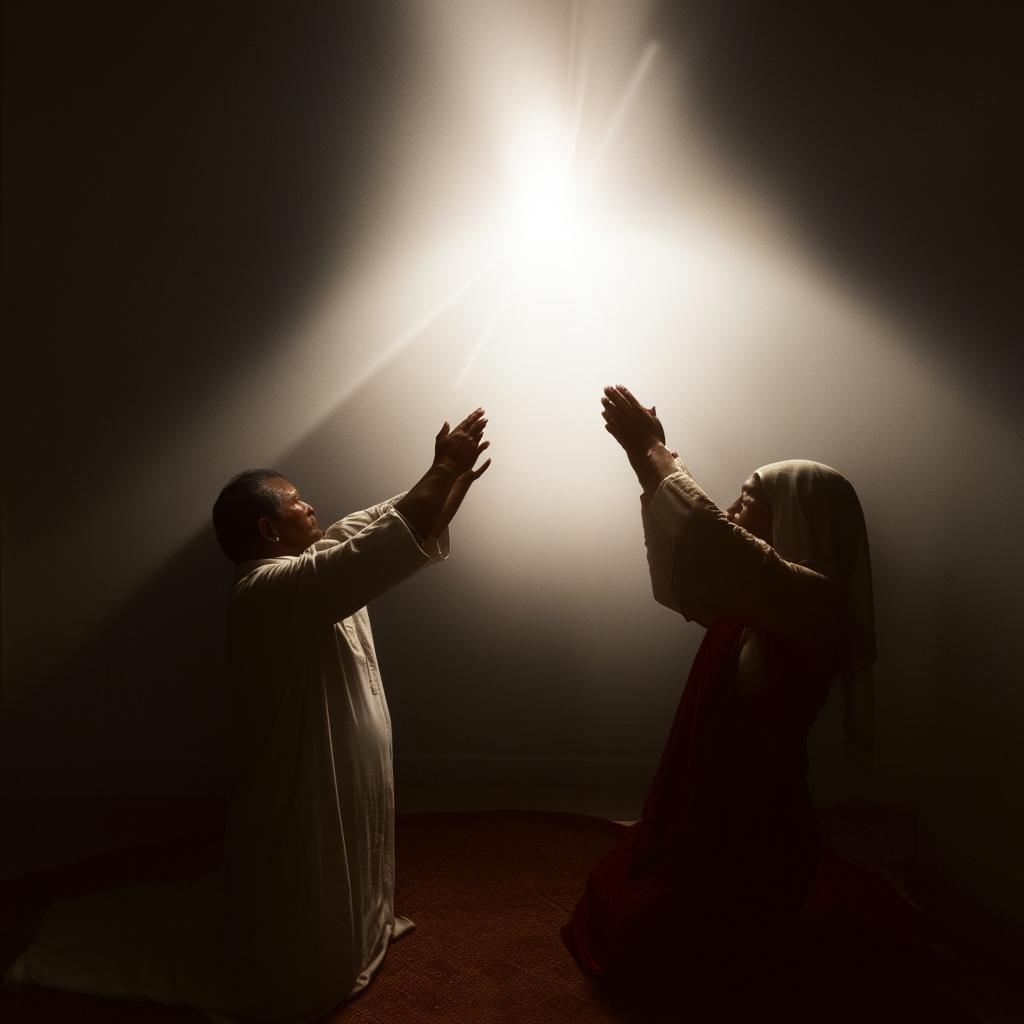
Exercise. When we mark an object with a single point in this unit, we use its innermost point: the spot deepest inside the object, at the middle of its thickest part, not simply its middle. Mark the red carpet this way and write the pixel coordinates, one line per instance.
(489, 893)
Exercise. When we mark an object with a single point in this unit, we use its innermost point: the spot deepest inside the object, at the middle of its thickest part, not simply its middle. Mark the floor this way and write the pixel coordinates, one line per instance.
(966, 969)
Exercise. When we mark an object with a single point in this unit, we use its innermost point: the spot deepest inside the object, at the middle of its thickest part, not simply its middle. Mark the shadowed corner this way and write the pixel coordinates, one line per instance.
(884, 134)
(150, 678)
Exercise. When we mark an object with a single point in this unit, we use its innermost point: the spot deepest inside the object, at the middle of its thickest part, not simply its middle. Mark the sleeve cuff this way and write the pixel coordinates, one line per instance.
(433, 548)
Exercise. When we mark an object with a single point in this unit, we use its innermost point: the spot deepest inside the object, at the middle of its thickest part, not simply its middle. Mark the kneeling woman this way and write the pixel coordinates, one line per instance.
(700, 896)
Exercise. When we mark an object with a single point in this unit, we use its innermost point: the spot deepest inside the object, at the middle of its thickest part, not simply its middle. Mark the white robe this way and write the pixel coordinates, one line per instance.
(299, 916)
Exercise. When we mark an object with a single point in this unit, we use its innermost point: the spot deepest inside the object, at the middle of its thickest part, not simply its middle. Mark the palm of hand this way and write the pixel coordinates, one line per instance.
(633, 425)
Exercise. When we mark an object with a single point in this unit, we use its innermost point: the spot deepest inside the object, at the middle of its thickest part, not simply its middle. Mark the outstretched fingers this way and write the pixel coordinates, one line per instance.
(620, 402)
(614, 399)
(612, 412)
(613, 423)
(631, 400)
(471, 421)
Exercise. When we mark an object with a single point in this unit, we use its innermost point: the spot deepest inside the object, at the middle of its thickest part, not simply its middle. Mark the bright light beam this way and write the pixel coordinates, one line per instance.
(543, 212)
(543, 230)
(374, 366)
(500, 308)
(577, 80)
(546, 236)
(625, 102)
(542, 198)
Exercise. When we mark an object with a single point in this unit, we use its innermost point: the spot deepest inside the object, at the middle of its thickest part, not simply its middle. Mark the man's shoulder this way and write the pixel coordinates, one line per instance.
(244, 570)
(250, 572)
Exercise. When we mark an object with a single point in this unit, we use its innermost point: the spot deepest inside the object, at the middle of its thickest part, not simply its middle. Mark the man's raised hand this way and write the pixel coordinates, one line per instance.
(429, 505)
(457, 449)
(459, 489)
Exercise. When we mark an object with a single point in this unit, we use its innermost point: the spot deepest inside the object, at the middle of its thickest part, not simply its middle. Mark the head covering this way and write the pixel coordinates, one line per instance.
(817, 521)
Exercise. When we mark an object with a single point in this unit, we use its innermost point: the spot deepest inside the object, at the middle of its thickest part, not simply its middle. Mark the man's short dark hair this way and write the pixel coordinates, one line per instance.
(244, 499)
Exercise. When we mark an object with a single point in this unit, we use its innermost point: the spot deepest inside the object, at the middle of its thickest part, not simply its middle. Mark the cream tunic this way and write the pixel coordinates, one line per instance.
(300, 914)
(704, 566)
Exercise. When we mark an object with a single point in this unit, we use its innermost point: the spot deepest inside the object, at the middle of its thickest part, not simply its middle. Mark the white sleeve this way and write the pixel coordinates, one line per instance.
(336, 577)
(719, 569)
(348, 526)
(658, 545)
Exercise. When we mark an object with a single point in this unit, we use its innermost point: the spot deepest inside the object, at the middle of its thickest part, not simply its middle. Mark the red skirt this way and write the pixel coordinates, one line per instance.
(714, 873)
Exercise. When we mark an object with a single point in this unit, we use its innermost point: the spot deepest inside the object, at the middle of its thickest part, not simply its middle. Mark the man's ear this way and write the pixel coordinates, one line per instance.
(266, 528)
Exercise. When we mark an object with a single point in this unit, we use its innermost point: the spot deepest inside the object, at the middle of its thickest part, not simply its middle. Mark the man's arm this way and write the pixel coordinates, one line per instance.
(333, 581)
(429, 506)
(348, 526)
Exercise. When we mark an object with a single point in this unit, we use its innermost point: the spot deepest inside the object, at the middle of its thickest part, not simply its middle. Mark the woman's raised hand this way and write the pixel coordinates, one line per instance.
(633, 425)
(641, 435)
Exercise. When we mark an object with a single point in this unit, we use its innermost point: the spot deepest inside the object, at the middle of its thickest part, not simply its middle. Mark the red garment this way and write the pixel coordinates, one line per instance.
(716, 869)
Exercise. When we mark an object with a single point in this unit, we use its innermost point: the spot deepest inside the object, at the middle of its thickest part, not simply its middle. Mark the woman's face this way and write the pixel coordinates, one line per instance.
(751, 510)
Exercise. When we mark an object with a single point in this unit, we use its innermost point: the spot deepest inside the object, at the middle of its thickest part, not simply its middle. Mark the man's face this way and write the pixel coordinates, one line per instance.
(293, 527)
(752, 511)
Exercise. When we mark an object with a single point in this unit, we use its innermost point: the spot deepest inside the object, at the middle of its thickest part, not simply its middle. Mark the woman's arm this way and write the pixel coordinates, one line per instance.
(717, 569)
(721, 570)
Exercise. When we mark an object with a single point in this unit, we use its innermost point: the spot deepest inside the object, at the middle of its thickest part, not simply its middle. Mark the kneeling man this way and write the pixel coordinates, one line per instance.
(300, 914)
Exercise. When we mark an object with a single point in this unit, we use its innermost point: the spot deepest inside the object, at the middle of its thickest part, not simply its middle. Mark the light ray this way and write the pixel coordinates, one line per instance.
(570, 63)
(587, 303)
(636, 80)
(405, 339)
(578, 82)
(499, 309)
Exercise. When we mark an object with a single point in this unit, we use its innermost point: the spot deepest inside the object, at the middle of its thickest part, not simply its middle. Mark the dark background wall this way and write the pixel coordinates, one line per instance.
(184, 184)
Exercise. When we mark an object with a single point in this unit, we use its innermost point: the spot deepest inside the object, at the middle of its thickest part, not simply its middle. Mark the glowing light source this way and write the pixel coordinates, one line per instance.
(557, 234)
(543, 197)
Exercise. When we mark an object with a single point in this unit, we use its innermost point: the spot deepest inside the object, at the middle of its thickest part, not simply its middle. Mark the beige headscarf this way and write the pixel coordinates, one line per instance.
(817, 521)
